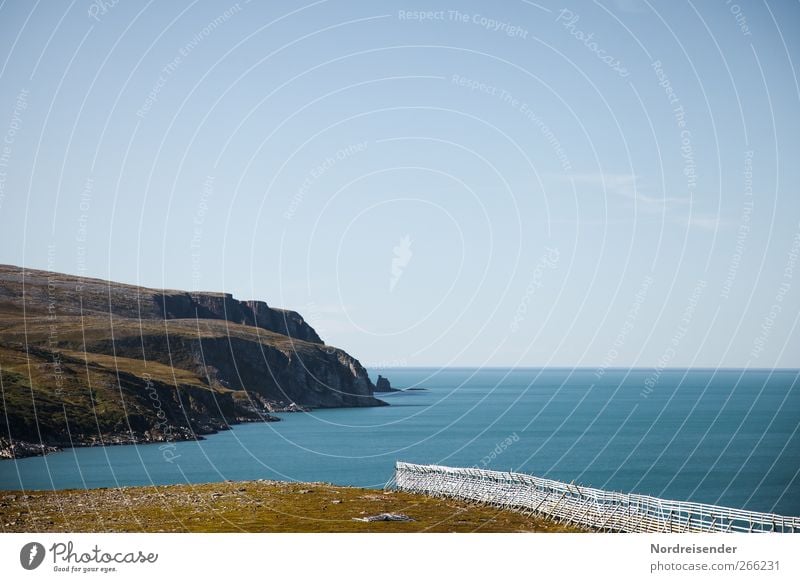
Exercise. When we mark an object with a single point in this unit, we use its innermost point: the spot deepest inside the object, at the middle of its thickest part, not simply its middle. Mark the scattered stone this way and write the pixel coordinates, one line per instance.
(385, 517)
(336, 501)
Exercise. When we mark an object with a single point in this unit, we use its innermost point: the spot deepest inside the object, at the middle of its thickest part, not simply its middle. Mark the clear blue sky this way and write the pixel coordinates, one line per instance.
(514, 183)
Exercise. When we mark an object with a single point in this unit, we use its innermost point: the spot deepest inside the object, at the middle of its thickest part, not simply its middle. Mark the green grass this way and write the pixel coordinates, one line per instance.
(262, 506)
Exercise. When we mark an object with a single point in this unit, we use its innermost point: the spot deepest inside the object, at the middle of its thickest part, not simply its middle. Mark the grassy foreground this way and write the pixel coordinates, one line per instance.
(250, 506)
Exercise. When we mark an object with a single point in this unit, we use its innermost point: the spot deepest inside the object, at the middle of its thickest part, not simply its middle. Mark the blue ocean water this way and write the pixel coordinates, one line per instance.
(727, 437)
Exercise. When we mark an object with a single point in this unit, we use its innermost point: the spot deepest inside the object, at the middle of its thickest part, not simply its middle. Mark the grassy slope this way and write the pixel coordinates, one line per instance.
(262, 506)
(28, 378)
(102, 389)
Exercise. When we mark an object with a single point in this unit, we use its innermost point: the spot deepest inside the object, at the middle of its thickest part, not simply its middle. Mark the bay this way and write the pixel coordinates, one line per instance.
(728, 437)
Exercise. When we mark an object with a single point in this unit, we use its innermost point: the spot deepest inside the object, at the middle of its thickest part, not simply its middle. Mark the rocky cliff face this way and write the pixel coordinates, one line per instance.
(72, 295)
(90, 362)
(279, 372)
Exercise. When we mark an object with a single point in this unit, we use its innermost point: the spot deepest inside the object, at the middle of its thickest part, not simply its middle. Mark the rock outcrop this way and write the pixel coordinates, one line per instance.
(383, 385)
(87, 362)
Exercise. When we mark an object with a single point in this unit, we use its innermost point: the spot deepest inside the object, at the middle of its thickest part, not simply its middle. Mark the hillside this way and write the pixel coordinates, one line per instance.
(85, 361)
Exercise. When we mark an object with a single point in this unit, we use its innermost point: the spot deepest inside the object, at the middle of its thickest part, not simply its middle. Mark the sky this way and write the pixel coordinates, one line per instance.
(596, 184)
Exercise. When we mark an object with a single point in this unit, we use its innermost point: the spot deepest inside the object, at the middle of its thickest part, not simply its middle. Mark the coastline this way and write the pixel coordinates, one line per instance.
(19, 449)
(88, 362)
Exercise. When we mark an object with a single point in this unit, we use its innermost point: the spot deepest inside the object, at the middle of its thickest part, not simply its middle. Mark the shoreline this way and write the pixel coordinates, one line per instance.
(11, 449)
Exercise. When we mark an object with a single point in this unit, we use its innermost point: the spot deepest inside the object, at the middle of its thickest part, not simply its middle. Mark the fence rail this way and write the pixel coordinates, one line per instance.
(594, 509)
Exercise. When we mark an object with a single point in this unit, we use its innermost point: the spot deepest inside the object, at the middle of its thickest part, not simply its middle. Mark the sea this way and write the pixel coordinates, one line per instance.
(727, 437)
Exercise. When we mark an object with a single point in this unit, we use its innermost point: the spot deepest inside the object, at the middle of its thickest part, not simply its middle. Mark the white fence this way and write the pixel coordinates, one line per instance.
(585, 507)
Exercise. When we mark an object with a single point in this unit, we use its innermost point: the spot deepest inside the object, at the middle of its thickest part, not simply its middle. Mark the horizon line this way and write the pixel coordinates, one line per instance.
(592, 368)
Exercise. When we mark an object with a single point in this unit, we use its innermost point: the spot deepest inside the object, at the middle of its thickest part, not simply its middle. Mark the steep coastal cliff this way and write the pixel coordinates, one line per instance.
(84, 362)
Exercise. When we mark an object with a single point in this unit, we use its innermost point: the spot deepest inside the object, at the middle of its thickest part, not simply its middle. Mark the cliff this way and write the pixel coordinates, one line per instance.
(70, 295)
(85, 361)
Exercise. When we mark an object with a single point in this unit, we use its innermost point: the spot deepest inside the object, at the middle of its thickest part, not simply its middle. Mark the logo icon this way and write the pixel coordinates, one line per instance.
(31, 555)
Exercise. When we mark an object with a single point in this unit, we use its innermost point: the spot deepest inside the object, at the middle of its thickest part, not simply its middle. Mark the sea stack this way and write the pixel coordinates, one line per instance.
(382, 385)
